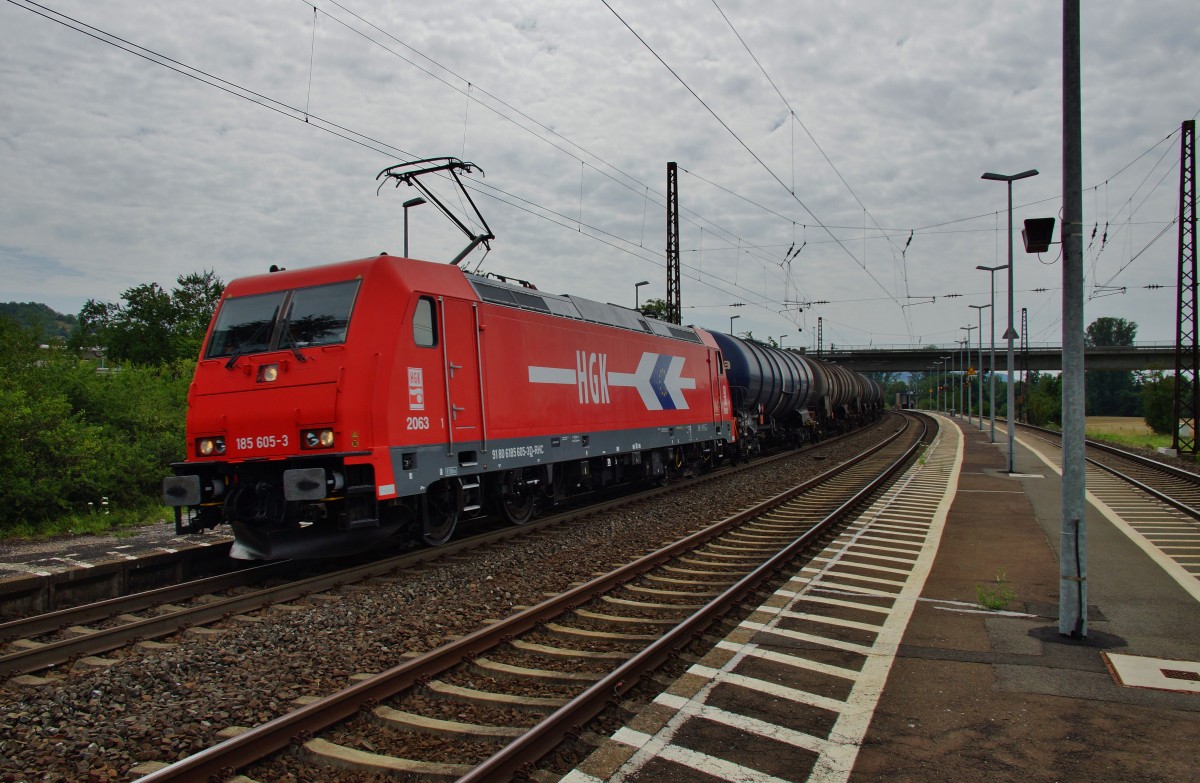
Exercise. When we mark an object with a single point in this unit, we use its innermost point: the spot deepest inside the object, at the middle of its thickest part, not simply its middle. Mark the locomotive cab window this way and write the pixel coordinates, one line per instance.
(283, 320)
(424, 325)
(320, 315)
(245, 325)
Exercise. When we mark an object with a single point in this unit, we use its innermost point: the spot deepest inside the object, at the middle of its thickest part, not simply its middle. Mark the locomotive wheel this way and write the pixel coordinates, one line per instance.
(442, 504)
(516, 498)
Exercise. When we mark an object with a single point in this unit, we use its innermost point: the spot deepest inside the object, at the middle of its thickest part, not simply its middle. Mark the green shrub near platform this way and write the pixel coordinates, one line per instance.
(71, 434)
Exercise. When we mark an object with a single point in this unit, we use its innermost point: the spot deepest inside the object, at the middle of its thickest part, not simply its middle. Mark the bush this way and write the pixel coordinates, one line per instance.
(70, 435)
(1158, 402)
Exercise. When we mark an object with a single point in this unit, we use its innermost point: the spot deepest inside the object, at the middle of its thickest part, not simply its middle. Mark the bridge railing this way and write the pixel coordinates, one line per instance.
(1000, 345)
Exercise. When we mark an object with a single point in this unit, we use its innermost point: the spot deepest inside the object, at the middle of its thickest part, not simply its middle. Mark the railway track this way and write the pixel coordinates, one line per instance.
(1174, 486)
(492, 703)
(51, 639)
(1159, 502)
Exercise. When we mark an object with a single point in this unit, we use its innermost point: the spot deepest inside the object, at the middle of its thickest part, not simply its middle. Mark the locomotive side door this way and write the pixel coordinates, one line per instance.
(460, 365)
(716, 380)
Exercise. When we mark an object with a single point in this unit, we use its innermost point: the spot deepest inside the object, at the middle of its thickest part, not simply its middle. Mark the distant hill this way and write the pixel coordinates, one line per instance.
(41, 318)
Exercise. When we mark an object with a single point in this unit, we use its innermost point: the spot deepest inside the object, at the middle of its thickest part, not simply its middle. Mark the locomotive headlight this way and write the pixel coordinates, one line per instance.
(268, 373)
(317, 439)
(208, 447)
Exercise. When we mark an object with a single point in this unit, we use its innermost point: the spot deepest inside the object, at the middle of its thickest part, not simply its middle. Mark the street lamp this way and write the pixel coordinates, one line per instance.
(970, 329)
(781, 341)
(937, 381)
(992, 361)
(962, 373)
(981, 308)
(1011, 333)
(731, 319)
(637, 301)
(412, 202)
(946, 365)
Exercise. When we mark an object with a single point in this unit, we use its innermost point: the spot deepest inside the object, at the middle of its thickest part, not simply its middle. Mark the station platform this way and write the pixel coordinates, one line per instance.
(821, 685)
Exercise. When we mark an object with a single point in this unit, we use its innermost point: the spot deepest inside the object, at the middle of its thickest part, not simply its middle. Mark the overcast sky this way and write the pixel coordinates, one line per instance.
(856, 131)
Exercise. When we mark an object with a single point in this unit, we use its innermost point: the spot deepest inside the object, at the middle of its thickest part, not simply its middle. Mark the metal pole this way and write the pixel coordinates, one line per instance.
(958, 387)
(1072, 586)
(937, 382)
(992, 364)
(967, 348)
(946, 397)
(992, 270)
(950, 384)
(1010, 334)
(412, 202)
(979, 309)
(964, 388)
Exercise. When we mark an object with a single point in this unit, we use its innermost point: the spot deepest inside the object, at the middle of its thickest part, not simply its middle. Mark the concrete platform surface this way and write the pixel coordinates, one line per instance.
(983, 697)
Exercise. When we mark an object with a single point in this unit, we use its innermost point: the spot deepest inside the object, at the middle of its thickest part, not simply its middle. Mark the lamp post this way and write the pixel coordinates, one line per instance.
(637, 301)
(955, 390)
(970, 329)
(1010, 334)
(946, 364)
(981, 308)
(731, 319)
(937, 381)
(412, 202)
(961, 381)
(992, 360)
(781, 341)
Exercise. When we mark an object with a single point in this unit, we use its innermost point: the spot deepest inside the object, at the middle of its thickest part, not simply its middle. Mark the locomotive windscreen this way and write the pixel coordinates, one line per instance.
(318, 315)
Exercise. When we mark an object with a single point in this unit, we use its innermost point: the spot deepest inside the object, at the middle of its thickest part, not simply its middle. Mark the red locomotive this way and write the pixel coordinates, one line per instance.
(332, 406)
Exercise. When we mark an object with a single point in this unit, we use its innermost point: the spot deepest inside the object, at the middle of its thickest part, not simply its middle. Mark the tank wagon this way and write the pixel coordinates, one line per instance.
(336, 406)
(782, 396)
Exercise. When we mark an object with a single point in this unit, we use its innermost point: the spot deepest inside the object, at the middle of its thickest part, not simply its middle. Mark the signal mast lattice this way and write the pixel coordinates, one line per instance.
(1187, 350)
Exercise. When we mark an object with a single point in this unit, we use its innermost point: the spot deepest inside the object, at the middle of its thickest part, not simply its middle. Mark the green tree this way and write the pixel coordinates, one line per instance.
(1043, 402)
(1111, 392)
(1158, 402)
(656, 308)
(195, 300)
(152, 325)
(46, 323)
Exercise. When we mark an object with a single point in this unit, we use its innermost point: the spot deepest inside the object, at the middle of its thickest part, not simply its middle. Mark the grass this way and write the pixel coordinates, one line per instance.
(1125, 431)
(996, 595)
(116, 522)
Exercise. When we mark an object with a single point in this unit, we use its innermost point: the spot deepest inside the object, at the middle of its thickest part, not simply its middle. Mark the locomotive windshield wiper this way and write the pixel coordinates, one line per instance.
(289, 341)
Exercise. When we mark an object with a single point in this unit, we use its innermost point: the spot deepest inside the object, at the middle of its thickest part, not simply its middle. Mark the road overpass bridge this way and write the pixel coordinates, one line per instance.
(1144, 356)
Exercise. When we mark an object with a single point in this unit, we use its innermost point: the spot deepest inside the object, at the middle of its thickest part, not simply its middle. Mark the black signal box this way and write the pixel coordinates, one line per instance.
(1037, 234)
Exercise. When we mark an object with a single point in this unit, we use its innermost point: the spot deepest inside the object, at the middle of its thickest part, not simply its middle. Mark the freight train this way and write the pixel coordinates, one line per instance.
(337, 406)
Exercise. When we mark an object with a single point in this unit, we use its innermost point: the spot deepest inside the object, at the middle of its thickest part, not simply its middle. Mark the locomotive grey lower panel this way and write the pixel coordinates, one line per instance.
(415, 469)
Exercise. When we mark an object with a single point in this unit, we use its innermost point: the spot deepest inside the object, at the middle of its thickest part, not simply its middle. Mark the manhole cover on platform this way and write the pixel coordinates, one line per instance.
(1135, 671)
